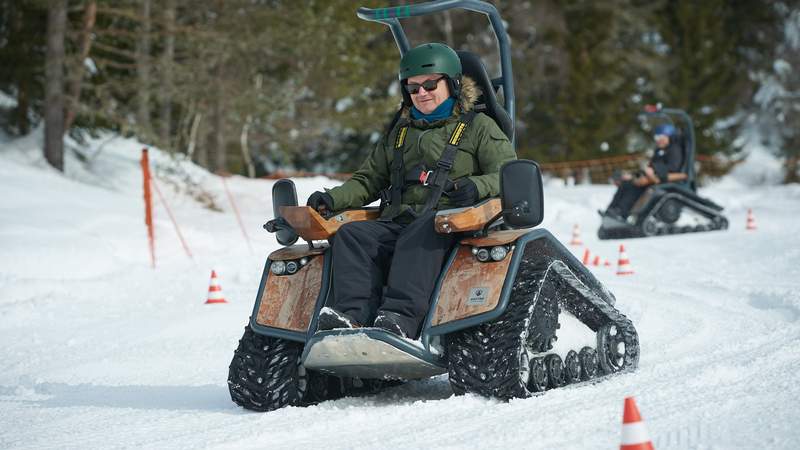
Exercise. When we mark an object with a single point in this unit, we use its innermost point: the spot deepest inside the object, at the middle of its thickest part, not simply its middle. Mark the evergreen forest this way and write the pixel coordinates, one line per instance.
(258, 86)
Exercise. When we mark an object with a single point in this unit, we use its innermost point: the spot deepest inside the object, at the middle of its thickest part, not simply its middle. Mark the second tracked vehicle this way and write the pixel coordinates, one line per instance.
(514, 313)
(673, 207)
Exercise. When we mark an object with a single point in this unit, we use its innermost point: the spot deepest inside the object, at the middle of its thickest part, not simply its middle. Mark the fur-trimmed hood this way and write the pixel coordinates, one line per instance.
(466, 99)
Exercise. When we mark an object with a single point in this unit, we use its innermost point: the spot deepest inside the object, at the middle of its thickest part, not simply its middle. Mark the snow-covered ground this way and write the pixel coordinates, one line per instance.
(99, 350)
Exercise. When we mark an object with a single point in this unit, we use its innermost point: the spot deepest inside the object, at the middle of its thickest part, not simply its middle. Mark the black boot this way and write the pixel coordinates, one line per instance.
(390, 321)
(330, 319)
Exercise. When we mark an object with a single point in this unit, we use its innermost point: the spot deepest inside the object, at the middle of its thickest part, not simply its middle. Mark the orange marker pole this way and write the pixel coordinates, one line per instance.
(148, 207)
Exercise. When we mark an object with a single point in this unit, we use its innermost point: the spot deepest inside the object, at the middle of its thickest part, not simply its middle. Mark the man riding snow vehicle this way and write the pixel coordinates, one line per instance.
(664, 166)
(450, 276)
(662, 199)
(438, 154)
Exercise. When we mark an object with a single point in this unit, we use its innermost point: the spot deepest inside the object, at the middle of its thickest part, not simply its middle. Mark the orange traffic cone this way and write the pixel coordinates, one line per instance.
(596, 261)
(606, 263)
(634, 433)
(623, 265)
(751, 221)
(215, 290)
(586, 257)
(576, 236)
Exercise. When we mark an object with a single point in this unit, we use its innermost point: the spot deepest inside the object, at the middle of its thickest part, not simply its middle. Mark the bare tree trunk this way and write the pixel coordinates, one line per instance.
(54, 84)
(167, 59)
(143, 70)
(248, 160)
(89, 15)
(193, 135)
(220, 160)
(23, 103)
(243, 139)
(21, 116)
(217, 144)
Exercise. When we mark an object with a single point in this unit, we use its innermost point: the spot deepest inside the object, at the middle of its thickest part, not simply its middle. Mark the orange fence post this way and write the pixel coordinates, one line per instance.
(148, 207)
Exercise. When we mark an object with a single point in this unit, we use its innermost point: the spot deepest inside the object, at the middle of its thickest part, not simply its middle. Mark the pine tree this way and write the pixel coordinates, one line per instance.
(709, 48)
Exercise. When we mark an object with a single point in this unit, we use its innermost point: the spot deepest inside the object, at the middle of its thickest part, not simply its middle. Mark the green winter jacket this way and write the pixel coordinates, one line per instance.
(482, 151)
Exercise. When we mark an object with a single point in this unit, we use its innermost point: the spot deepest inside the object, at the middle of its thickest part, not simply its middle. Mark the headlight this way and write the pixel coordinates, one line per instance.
(291, 267)
(303, 261)
(278, 267)
(499, 252)
(482, 254)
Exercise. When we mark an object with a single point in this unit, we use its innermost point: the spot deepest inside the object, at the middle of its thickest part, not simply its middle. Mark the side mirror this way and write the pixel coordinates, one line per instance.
(284, 194)
(521, 193)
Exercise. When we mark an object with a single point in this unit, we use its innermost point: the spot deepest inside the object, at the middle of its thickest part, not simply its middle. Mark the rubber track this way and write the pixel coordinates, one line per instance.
(665, 229)
(263, 375)
(486, 359)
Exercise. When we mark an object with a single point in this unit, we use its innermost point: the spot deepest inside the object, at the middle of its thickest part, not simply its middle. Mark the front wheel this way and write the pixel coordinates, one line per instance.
(650, 226)
(265, 373)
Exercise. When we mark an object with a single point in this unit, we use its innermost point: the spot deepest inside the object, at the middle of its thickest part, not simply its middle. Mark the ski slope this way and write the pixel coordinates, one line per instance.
(99, 350)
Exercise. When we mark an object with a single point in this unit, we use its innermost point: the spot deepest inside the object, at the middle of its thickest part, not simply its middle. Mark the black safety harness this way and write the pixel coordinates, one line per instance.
(435, 179)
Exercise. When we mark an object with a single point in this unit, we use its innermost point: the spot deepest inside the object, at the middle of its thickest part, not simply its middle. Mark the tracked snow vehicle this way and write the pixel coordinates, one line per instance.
(514, 313)
(668, 208)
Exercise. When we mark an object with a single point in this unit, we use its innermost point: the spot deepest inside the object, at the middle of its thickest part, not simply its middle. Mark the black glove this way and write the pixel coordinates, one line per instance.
(462, 192)
(321, 201)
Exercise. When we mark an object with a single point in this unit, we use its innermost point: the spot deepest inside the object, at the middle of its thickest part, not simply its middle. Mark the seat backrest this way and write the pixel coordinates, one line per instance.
(687, 163)
(472, 66)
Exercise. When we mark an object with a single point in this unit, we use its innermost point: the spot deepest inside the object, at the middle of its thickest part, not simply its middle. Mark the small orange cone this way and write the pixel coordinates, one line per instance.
(634, 433)
(586, 257)
(623, 265)
(215, 290)
(606, 263)
(576, 236)
(751, 221)
(596, 261)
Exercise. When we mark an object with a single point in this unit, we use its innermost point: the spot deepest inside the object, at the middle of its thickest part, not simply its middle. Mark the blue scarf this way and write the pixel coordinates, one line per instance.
(442, 111)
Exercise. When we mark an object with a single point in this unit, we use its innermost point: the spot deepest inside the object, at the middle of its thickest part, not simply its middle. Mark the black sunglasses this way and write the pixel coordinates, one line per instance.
(429, 85)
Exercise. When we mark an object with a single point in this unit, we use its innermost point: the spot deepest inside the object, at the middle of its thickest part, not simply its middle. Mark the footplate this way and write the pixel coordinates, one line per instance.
(369, 353)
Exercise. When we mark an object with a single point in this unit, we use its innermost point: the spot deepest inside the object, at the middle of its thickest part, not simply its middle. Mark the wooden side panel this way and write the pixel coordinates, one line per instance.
(288, 301)
(470, 219)
(470, 287)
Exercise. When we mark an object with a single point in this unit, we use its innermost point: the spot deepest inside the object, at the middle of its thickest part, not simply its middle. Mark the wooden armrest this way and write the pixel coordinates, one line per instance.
(467, 219)
(311, 226)
(296, 252)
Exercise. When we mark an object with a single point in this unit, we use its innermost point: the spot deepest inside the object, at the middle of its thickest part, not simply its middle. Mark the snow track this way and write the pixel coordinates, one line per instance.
(100, 351)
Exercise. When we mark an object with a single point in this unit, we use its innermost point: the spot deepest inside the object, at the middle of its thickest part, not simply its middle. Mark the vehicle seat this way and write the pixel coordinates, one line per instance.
(472, 66)
(687, 163)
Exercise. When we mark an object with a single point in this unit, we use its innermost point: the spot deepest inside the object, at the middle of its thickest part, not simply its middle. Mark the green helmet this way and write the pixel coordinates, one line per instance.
(430, 58)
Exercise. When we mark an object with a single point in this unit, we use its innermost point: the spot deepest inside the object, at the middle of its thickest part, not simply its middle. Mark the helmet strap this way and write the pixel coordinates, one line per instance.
(455, 86)
(406, 95)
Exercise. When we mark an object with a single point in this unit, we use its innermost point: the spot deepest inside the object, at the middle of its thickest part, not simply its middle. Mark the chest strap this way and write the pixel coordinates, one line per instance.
(435, 179)
(396, 178)
(438, 178)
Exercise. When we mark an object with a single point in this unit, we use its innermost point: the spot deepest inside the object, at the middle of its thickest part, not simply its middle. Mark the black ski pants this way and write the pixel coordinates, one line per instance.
(625, 198)
(388, 266)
